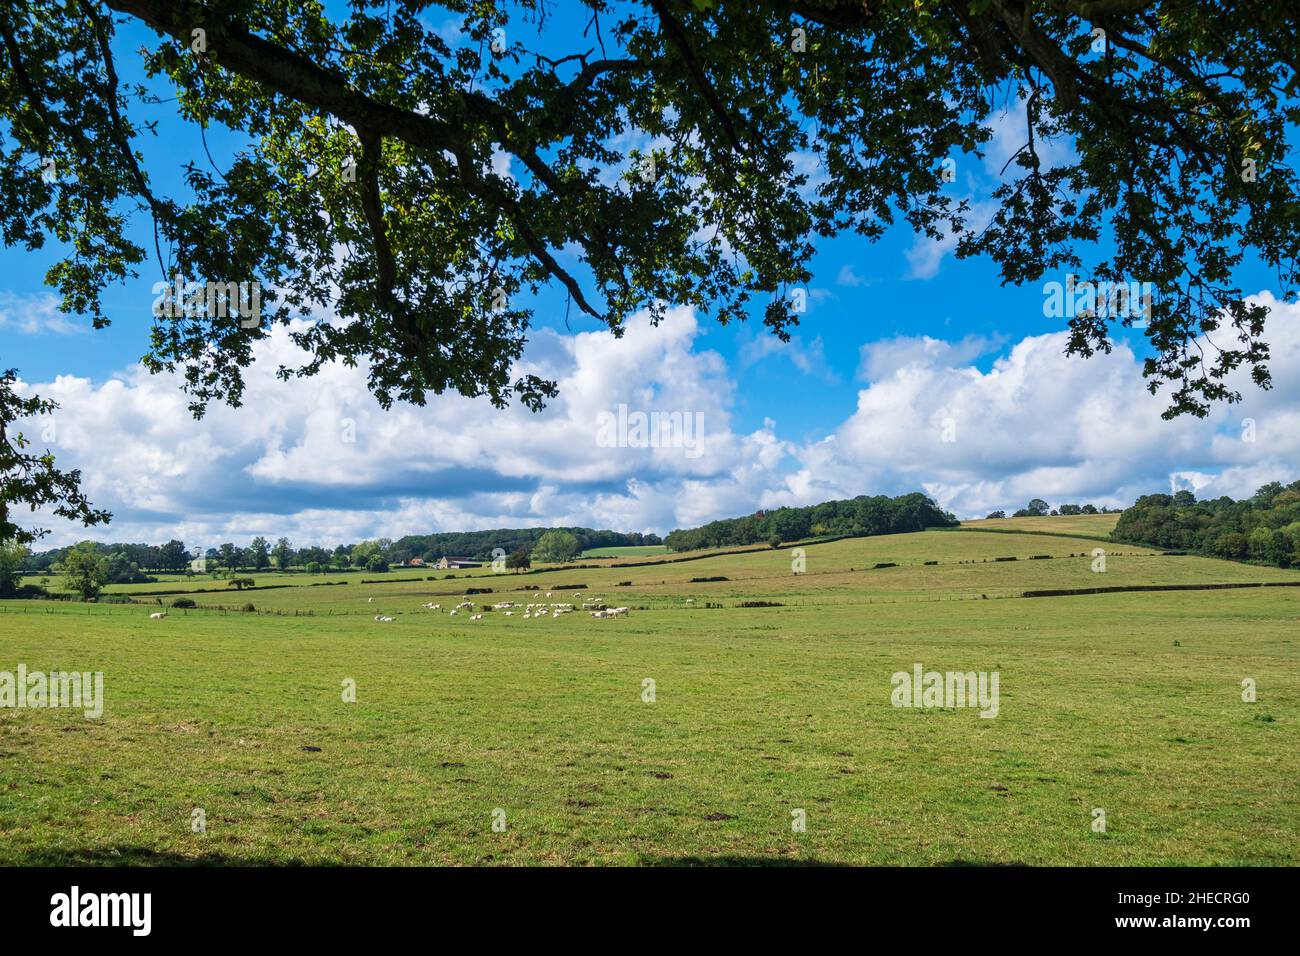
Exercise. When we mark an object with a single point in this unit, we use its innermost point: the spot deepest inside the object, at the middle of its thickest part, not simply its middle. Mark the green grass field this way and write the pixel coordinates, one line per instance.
(631, 551)
(1130, 703)
(1099, 526)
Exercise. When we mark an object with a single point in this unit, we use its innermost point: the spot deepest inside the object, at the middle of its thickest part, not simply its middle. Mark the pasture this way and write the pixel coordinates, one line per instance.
(630, 551)
(1130, 703)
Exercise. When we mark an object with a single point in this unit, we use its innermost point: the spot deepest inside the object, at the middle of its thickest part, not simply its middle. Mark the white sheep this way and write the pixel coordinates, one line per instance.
(476, 617)
(157, 615)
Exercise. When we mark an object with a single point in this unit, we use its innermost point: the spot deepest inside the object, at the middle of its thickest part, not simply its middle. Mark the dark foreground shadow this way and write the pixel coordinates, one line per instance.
(139, 856)
(983, 863)
(733, 861)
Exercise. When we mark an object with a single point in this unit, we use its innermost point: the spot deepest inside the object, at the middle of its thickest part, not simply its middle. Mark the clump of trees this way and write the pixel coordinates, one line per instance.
(1264, 529)
(482, 545)
(557, 546)
(862, 515)
(84, 569)
(1038, 508)
(12, 556)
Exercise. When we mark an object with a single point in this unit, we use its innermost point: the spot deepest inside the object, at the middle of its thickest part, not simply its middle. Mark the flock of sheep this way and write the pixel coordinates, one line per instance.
(536, 611)
(592, 605)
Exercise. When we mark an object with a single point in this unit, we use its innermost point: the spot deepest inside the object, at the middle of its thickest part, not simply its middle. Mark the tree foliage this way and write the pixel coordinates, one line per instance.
(370, 186)
(556, 546)
(85, 569)
(1264, 528)
(855, 516)
(12, 556)
(30, 479)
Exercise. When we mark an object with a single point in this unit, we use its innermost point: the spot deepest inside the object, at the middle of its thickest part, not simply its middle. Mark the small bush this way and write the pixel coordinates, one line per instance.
(884, 564)
(248, 608)
(623, 584)
(931, 562)
(469, 591)
(706, 580)
(1004, 559)
(760, 604)
(569, 587)
(184, 603)
(1040, 557)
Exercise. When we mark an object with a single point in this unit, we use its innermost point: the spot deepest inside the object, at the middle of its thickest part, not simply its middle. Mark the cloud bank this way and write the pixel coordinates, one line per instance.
(318, 460)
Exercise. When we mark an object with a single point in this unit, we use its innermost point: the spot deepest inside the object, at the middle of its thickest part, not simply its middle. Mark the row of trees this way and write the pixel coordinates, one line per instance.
(482, 545)
(1264, 528)
(372, 555)
(1038, 508)
(862, 515)
(86, 568)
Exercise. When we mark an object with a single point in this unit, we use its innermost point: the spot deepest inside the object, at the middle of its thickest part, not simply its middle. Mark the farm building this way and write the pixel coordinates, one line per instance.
(447, 562)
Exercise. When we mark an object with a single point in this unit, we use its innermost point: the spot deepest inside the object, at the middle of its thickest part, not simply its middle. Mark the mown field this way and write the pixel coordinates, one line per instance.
(630, 551)
(1099, 526)
(1131, 703)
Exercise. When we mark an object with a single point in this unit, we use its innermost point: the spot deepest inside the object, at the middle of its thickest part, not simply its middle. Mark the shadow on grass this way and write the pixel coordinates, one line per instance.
(983, 863)
(733, 861)
(137, 856)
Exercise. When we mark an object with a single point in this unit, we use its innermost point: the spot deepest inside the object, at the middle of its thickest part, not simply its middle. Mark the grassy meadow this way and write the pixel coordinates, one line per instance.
(1130, 703)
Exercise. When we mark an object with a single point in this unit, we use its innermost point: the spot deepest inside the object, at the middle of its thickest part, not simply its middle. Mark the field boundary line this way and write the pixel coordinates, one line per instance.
(1122, 588)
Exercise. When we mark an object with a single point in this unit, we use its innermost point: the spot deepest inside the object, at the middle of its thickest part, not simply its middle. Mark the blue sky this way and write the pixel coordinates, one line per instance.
(899, 339)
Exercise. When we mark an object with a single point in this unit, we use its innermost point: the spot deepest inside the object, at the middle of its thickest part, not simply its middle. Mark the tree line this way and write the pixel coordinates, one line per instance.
(129, 562)
(1264, 528)
(1038, 508)
(862, 515)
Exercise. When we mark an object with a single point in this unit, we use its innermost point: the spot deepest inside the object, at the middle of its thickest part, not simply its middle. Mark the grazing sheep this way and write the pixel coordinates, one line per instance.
(381, 617)
(370, 600)
(476, 617)
(509, 613)
(157, 615)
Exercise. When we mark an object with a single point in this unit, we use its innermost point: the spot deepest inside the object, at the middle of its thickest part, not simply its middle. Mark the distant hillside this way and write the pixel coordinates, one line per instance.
(859, 516)
(480, 544)
(1264, 528)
